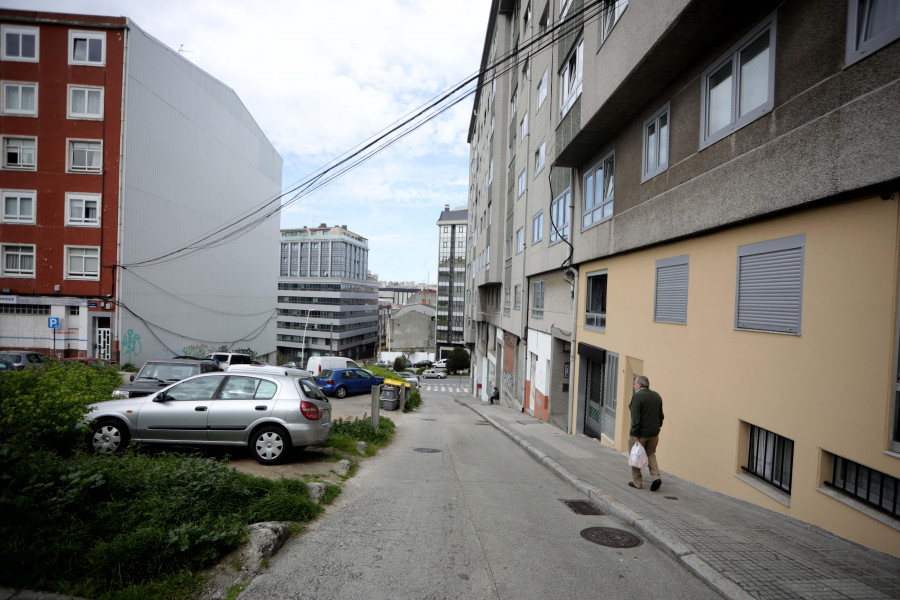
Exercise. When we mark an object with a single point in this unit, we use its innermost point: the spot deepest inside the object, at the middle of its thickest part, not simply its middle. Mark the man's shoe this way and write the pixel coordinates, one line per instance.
(631, 484)
(655, 485)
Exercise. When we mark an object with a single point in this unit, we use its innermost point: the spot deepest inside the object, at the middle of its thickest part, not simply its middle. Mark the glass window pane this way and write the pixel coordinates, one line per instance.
(719, 101)
(12, 44)
(93, 104)
(609, 180)
(78, 102)
(663, 140)
(29, 46)
(79, 50)
(95, 48)
(876, 17)
(589, 193)
(11, 97)
(28, 98)
(755, 74)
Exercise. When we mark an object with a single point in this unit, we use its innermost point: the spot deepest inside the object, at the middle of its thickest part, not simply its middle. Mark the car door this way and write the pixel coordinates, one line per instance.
(349, 380)
(179, 414)
(243, 401)
(364, 380)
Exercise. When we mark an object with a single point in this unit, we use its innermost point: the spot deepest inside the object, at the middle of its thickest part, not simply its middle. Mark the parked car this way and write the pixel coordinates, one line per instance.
(24, 360)
(434, 373)
(157, 374)
(93, 362)
(343, 382)
(227, 359)
(271, 414)
(6, 367)
(441, 364)
(411, 378)
(317, 364)
(423, 363)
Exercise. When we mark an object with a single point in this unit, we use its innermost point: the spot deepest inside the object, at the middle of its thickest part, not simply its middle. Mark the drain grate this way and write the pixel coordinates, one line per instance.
(426, 450)
(582, 507)
(670, 497)
(429, 419)
(611, 537)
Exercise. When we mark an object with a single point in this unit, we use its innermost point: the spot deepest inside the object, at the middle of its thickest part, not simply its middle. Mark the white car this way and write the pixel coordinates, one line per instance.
(441, 364)
(433, 373)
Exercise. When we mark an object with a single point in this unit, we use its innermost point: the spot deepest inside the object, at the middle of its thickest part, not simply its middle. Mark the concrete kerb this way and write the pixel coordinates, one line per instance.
(610, 505)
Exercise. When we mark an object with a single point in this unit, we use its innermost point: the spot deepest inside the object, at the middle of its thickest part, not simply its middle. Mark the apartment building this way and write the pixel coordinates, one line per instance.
(119, 158)
(705, 193)
(326, 304)
(449, 324)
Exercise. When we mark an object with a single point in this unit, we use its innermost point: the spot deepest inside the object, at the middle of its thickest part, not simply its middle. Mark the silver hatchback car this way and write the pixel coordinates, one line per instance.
(269, 413)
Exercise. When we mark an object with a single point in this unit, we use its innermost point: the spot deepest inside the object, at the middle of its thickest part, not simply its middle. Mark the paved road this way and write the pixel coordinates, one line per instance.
(472, 516)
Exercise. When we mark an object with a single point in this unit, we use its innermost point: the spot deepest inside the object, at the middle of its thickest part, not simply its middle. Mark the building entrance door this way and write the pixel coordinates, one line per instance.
(102, 341)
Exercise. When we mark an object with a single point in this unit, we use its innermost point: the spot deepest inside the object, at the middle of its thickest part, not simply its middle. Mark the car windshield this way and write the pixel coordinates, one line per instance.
(167, 372)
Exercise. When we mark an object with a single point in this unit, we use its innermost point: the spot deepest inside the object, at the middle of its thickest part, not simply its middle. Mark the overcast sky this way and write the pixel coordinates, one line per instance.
(321, 77)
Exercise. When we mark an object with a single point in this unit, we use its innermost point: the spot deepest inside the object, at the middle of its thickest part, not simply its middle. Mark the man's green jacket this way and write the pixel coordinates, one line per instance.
(646, 413)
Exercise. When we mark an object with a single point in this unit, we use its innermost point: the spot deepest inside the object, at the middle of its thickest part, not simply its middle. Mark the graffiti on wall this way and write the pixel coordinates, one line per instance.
(198, 350)
(509, 361)
(131, 343)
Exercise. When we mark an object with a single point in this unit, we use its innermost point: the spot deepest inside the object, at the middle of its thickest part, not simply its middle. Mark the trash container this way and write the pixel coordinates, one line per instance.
(390, 398)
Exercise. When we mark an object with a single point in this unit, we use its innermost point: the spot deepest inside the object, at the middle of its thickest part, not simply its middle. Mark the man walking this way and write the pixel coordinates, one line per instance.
(646, 421)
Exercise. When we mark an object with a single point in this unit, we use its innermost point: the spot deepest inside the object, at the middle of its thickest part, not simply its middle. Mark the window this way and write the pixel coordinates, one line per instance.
(771, 458)
(868, 485)
(87, 48)
(537, 300)
(19, 206)
(600, 368)
(85, 156)
(522, 181)
(506, 301)
(670, 305)
(871, 25)
(523, 127)
(20, 153)
(537, 227)
(770, 285)
(656, 144)
(564, 8)
(595, 309)
(599, 185)
(85, 103)
(520, 239)
(517, 298)
(19, 98)
(539, 157)
(19, 43)
(491, 171)
(738, 88)
(18, 261)
(570, 79)
(542, 90)
(612, 10)
(83, 209)
(544, 20)
(559, 217)
(82, 263)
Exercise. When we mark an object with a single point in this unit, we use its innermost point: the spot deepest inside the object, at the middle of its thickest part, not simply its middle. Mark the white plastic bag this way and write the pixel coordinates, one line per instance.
(638, 456)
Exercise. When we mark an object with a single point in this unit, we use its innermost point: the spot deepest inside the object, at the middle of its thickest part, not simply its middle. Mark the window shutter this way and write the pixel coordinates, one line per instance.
(770, 285)
(671, 290)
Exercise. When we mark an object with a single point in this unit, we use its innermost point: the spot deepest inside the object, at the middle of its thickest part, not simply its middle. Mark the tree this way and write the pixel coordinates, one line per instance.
(458, 360)
(400, 363)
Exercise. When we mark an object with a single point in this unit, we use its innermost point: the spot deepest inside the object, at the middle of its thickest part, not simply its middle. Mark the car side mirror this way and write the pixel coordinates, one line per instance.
(160, 397)
(132, 377)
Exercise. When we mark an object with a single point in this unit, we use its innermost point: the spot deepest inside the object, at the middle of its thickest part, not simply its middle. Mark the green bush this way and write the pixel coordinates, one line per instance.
(41, 408)
(413, 402)
(400, 363)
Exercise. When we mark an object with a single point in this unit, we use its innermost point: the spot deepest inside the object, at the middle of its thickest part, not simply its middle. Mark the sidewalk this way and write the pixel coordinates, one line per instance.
(739, 549)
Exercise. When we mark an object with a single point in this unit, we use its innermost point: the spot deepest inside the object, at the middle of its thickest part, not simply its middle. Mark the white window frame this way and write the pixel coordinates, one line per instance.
(570, 78)
(19, 195)
(856, 49)
(559, 217)
(651, 167)
(82, 221)
(540, 157)
(19, 273)
(537, 227)
(70, 158)
(75, 34)
(598, 208)
(595, 320)
(538, 291)
(84, 275)
(733, 57)
(517, 298)
(19, 111)
(564, 8)
(86, 89)
(611, 13)
(523, 181)
(542, 89)
(523, 127)
(520, 240)
(16, 29)
(23, 166)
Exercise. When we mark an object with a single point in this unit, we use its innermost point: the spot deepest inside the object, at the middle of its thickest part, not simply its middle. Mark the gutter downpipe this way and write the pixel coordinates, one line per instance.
(572, 353)
(120, 228)
(527, 147)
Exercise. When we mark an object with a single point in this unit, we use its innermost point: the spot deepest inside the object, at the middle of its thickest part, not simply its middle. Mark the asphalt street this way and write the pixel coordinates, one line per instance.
(455, 509)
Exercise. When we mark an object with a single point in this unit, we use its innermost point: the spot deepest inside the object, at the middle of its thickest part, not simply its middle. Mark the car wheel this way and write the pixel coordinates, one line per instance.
(108, 437)
(270, 445)
(341, 392)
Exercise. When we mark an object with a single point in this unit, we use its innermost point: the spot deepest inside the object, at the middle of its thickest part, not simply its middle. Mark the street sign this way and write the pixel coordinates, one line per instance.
(53, 322)
(92, 305)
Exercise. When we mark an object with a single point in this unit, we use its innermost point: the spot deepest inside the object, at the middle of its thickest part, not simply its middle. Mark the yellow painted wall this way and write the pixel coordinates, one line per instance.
(829, 388)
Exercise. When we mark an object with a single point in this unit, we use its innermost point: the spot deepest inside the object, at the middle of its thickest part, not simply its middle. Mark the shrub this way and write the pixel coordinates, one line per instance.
(361, 430)
(400, 363)
(413, 402)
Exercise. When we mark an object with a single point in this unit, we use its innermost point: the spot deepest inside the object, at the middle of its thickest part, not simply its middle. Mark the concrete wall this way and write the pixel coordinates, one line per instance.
(412, 328)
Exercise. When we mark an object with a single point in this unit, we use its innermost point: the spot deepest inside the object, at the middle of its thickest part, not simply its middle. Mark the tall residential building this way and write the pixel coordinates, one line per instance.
(703, 192)
(125, 172)
(450, 322)
(326, 304)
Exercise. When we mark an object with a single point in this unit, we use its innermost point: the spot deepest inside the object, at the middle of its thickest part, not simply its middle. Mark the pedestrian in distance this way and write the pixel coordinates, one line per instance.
(495, 396)
(646, 420)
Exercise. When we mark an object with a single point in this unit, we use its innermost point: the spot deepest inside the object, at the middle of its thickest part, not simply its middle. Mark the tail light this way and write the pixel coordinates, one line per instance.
(310, 410)
(329, 382)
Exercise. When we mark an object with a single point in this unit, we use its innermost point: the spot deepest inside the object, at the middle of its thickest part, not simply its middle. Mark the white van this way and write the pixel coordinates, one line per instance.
(316, 364)
(226, 359)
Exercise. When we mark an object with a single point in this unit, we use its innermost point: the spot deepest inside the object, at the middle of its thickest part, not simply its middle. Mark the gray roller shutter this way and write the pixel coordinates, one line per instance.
(770, 285)
(671, 290)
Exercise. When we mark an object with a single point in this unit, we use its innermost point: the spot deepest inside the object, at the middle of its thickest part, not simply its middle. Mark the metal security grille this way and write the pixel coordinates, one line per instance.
(868, 485)
(771, 458)
(103, 343)
(593, 405)
(608, 399)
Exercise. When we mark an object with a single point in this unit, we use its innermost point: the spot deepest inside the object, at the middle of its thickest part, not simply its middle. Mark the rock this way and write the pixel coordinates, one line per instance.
(361, 447)
(245, 563)
(316, 491)
(343, 467)
(265, 540)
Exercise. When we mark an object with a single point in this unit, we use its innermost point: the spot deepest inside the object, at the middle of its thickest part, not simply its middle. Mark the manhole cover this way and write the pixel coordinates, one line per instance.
(582, 507)
(610, 536)
(426, 450)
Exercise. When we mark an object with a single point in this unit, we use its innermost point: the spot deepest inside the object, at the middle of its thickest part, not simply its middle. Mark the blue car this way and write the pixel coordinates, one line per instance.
(342, 382)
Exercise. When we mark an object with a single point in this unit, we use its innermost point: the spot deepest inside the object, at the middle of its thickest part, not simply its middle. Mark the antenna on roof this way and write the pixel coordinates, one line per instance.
(181, 49)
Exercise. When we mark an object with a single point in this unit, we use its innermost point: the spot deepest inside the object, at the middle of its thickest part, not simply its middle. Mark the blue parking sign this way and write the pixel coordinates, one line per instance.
(53, 322)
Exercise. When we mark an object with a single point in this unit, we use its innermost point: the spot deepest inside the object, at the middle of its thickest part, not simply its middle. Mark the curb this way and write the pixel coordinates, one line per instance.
(696, 565)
